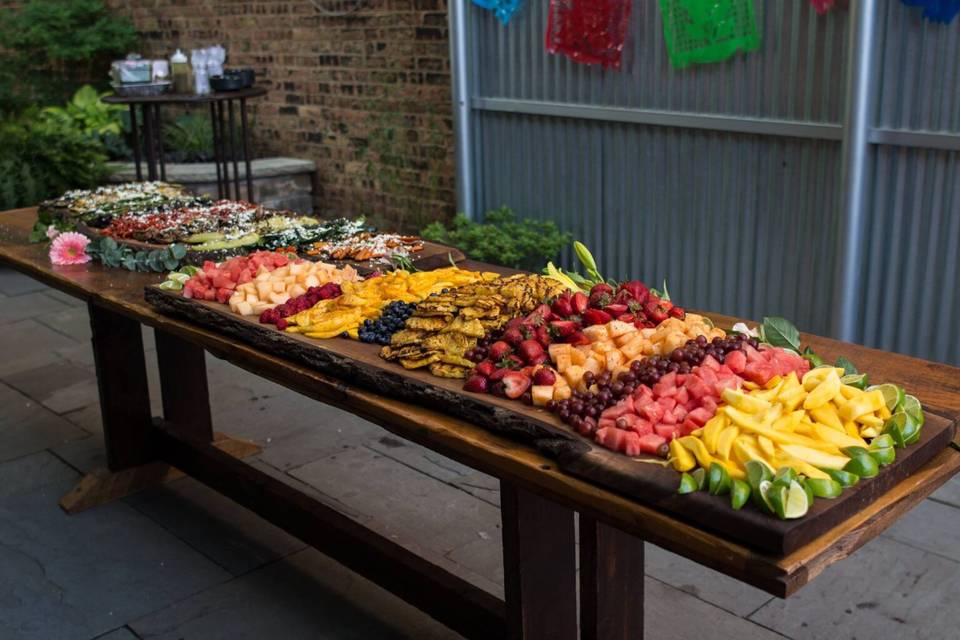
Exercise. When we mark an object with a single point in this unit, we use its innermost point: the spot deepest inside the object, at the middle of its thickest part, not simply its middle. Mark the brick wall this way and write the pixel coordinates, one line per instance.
(366, 95)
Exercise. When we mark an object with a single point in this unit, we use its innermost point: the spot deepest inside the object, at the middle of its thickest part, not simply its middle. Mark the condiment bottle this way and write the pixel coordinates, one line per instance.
(180, 71)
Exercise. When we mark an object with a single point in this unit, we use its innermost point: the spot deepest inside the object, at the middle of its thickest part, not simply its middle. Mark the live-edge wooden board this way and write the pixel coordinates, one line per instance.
(647, 483)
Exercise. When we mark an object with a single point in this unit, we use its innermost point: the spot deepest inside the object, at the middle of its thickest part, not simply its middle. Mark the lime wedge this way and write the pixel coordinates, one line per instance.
(895, 428)
(687, 484)
(757, 472)
(824, 487)
(884, 455)
(766, 488)
(858, 380)
(882, 441)
(911, 406)
(845, 478)
(739, 494)
(853, 452)
(775, 497)
(892, 394)
(797, 504)
(700, 475)
(807, 489)
(785, 475)
(718, 480)
(863, 465)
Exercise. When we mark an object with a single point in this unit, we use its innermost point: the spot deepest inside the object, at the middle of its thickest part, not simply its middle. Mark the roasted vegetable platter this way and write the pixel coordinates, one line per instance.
(740, 430)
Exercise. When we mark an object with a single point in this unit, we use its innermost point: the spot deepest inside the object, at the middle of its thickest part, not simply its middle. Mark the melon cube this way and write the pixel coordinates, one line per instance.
(311, 281)
(281, 272)
(618, 328)
(596, 332)
(264, 289)
(603, 346)
(296, 291)
(562, 392)
(297, 268)
(542, 394)
(579, 355)
(244, 308)
(634, 348)
(556, 349)
(278, 286)
(251, 298)
(625, 338)
(594, 365)
(574, 374)
(290, 280)
(279, 298)
(614, 359)
(563, 362)
(263, 275)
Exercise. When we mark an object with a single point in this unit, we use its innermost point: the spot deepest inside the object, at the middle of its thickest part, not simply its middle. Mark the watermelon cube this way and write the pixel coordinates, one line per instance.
(736, 360)
(652, 412)
(651, 443)
(699, 416)
(665, 431)
(710, 363)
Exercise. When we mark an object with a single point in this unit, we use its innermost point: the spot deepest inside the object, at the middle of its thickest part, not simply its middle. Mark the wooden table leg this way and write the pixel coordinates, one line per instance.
(539, 561)
(611, 583)
(183, 385)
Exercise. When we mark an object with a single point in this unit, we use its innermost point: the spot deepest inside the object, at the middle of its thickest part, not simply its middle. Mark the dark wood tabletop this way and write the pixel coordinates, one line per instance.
(937, 385)
(176, 98)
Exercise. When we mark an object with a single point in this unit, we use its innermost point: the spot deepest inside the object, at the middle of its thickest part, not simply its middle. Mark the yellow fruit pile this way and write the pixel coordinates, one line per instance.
(365, 300)
(788, 423)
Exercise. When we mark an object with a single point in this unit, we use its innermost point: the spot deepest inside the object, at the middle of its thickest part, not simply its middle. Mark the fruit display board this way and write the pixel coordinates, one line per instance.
(423, 379)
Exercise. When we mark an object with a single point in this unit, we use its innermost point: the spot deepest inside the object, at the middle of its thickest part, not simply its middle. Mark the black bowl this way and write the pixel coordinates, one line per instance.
(233, 80)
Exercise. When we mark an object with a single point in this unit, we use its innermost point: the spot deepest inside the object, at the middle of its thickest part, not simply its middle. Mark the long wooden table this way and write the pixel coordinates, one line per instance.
(539, 503)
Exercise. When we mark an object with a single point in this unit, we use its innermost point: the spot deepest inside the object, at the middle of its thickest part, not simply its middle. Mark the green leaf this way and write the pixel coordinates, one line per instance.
(39, 232)
(849, 368)
(170, 263)
(178, 251)
(780, 332)
(130, 263)
(665, 295)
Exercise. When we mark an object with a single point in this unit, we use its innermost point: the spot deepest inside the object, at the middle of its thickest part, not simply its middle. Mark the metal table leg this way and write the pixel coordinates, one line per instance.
(149, 143)
(233, 151)
(135, 134)
(246, 147)
(216, 147)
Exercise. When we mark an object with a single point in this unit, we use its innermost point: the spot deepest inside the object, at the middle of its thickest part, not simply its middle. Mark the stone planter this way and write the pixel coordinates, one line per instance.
(280, 183)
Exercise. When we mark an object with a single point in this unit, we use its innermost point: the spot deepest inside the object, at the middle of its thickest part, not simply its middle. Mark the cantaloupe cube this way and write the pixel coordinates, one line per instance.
(278, 286)
(563, 362)
(290, 280)
(296, 290)
(279, 298)
(578, 355)
(646, 333)
(618, 328)
(297, 268)
(260, 307)
(542, 394)
(596, 332)
(614, 359)
(594, 365)
(603, 346)
(264, 289)
(311, 281)
(574, 374)
(252, 297)
(245, 308)
(556, 349)
(634, 348)
(562, 391)
(625, 338)
(281, 272)
(263, 275)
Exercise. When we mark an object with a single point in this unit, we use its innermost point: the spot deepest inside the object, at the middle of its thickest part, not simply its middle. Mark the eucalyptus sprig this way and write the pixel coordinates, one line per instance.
(113, 254)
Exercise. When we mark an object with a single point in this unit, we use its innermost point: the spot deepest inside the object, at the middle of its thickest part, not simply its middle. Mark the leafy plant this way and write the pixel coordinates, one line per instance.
(112, 254)
(50, 47)
(780, 332)
(189, 138)
(502, 240)
(87, 111)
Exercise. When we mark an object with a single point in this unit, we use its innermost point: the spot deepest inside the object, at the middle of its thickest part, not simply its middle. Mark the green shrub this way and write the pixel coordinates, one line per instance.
(189, 138)
(502, 240)
(51, 47)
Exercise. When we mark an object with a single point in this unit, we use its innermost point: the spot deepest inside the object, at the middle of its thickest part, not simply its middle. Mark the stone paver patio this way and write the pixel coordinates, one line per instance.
(180, 562)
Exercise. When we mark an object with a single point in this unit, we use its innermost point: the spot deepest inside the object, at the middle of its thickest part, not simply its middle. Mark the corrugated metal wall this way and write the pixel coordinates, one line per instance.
(725, 178)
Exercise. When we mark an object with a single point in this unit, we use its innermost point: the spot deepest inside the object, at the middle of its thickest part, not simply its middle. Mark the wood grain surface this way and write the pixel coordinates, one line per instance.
(938, 385)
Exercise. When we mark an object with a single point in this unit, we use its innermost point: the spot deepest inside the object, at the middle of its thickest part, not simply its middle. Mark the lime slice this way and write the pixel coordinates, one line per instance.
(882, 441)
(718, 480)
(739, 494)
(775, 497)
(853, 452)
(687, 484)
(863, 465)
(845, 478)
(785, 475)
(911, 435)
(824, 487)
(895, 427)
(797, 504)
(858, 380)
(766, 488)
(757, 472)
(807, 489)
(892, 394)
(911, 406)
(884, 455)
(700, 475)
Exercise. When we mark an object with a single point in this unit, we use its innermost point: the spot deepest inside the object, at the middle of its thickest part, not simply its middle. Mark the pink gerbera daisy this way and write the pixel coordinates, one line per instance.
(69, 248)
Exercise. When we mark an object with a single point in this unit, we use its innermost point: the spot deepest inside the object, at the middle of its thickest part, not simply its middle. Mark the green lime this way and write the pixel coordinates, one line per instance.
(911, 435)
(718, 480)
(863, 465)
(700, 475)
(739, 494)
(882, 441)
(884, 456)
(807, 489)
(853, 452)
(797, 504)
(687, 484)
(814, 360)
(858, 380)
(776, 498)
(895, 427)
(757, 472)
(766, 488)
(824, 487)
(911, 406)
(785, 475)
(845, 478)
(892, 394)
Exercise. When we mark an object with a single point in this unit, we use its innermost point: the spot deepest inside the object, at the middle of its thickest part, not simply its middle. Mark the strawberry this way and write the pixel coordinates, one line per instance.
(485, 368)
(499, 349)
(596, 316)
(514, 323)
(540, 359)
(655, 311)
(513, 336)
(601, 295)
(510, 362)
(678, 312)
(544, 376)
(476, 384)
(563, 328)
(576, 339)
(627, 317)
(601, 288)
(539, 315)
(497, 388)
(498, 374)
(530, 350)
(514, 384)
(580, 302)
(542, 335)
(615, 309)
(636, 289)
(562, 307)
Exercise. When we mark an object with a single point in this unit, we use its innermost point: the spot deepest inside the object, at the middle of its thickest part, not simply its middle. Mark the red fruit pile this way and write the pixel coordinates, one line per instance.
(293, 306)
(630, 302)
(217, 282)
